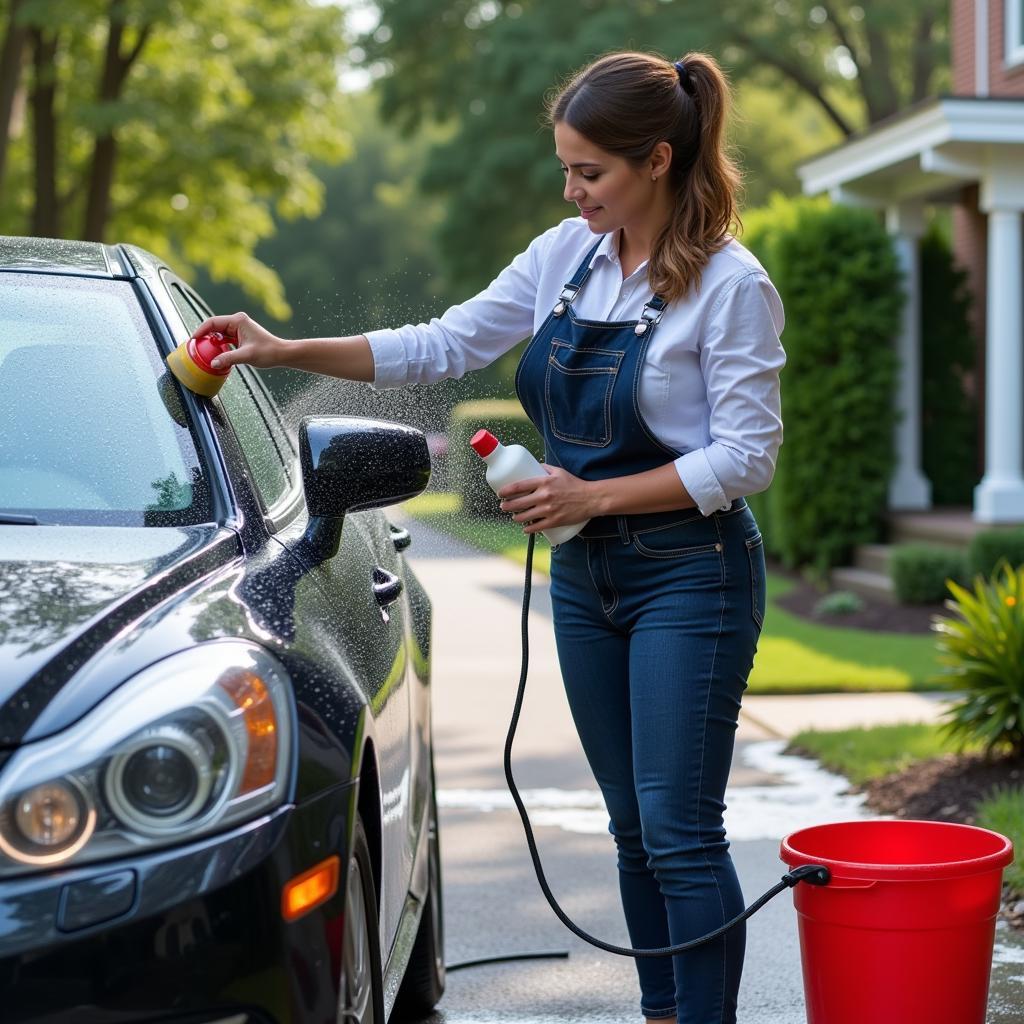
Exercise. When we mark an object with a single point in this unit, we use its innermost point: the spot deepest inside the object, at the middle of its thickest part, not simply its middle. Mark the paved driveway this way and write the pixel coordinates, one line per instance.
(493, 904)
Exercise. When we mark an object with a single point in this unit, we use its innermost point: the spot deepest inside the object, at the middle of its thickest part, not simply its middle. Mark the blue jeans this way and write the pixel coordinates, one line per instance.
(656, 629)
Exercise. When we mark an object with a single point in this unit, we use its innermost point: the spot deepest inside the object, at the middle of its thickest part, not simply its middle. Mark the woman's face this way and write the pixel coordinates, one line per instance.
(610, 192)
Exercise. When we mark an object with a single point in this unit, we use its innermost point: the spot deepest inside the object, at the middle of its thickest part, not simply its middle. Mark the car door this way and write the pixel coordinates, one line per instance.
(371, 640)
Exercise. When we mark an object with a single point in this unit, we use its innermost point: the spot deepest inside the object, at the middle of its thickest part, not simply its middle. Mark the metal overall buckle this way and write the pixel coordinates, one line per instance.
(650, 317)
(568, 294)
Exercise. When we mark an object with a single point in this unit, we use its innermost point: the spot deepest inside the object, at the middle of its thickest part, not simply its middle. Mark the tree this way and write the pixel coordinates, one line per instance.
(485, 68)
(175, 124)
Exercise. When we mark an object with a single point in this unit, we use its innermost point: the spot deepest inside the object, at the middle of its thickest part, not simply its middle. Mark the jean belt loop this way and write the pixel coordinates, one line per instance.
(623, 524)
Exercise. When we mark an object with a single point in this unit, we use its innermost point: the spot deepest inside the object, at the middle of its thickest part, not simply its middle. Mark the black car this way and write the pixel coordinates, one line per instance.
(216, 779)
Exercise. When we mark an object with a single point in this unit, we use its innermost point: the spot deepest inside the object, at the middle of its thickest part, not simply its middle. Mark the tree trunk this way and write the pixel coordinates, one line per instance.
(922, 57)
(880, 92)
(11, 53)
(101, 172)
(46, 213)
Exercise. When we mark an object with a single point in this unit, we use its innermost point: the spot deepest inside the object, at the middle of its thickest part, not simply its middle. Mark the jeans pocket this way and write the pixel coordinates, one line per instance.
(758, 583)
(681, 540)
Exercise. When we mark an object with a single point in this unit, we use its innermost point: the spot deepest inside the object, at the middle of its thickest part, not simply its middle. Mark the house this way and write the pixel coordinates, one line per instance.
(965, 150)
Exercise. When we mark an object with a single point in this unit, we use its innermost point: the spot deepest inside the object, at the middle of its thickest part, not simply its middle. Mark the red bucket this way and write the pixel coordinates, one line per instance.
(903, 932)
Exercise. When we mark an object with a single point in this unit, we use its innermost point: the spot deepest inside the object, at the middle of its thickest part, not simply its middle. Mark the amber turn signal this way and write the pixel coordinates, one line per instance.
(310, 889)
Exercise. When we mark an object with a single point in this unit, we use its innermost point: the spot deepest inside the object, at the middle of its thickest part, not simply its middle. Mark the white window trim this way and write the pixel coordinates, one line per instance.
(1013, 32)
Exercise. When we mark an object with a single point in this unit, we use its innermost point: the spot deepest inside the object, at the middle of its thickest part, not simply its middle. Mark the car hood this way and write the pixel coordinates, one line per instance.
(65, 591)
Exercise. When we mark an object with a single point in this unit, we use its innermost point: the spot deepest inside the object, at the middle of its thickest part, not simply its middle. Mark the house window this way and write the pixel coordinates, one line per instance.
(1014, 32)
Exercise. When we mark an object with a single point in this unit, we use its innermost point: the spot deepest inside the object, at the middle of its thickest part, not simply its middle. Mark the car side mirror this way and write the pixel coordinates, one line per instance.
(349, 464)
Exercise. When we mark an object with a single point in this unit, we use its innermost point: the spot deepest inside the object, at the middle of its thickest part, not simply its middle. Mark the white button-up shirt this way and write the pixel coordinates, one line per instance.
(709, 385)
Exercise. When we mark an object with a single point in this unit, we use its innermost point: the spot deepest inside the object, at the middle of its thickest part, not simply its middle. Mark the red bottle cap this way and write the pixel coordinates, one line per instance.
(206, 348)
(483, 442)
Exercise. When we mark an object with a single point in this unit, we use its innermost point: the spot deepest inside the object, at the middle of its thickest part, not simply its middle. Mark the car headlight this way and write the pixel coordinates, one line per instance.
(191, 745)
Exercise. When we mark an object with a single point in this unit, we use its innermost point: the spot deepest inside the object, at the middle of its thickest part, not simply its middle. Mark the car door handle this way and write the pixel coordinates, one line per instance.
(399, 537)
(386, 587)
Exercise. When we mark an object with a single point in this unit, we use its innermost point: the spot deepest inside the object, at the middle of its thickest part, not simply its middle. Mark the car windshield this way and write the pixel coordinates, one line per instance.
(89, 429)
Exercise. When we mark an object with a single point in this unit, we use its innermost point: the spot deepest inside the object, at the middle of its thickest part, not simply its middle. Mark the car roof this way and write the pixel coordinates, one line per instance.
(70, 256)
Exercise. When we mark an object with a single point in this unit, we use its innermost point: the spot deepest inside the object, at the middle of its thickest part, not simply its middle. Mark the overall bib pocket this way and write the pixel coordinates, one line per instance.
(578, 392)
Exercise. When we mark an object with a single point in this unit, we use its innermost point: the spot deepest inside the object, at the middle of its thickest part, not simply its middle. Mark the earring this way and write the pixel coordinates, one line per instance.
(654, 177)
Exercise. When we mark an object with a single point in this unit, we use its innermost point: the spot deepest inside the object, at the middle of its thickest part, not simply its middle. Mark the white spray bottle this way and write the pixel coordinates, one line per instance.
(507, 464)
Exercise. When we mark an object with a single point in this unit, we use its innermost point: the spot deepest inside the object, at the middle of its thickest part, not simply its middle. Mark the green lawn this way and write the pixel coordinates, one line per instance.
(862, 754)
(794, 655)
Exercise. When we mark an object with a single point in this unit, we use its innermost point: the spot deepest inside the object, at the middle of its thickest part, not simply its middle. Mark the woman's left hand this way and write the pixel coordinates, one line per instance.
(557, 499)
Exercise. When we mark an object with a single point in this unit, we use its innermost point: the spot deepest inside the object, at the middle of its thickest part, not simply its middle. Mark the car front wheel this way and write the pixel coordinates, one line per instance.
(362, 988)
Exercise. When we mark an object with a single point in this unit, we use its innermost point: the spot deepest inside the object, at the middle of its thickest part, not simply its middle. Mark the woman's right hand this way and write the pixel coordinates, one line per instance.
(254, 345)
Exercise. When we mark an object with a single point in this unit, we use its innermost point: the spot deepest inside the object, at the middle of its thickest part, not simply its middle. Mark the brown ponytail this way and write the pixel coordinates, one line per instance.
(628, 102)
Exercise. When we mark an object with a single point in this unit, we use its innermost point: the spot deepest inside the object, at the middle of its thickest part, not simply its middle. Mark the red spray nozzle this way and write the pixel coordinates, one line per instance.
(483, 442)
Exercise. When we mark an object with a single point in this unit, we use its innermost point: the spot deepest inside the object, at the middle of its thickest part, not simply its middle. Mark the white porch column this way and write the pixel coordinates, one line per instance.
(999, 498)
(909, 488)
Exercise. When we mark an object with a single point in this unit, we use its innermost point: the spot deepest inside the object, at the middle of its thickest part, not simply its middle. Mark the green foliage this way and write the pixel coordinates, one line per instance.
(988, 547)
(919, 571)
(837, 274)
(368, 259)
(507, 421)
(1003, 812)
(948, 410)
(217, 126)
(485, 68)
(983, 651)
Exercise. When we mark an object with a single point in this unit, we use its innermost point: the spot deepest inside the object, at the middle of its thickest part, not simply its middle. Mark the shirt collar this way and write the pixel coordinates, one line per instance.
(609, 249)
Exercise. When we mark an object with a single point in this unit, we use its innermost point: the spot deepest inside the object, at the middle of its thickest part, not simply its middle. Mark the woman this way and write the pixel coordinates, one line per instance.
(653, 377)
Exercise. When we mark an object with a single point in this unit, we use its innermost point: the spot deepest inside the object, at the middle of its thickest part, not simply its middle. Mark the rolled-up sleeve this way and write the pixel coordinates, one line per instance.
(740, 357)
(468, 336)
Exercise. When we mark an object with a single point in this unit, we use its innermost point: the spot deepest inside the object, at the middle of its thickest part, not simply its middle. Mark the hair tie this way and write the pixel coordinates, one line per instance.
(684, 77)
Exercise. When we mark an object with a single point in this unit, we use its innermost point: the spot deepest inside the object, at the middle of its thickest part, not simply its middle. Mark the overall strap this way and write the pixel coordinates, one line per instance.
(651, 315)
(571, 287)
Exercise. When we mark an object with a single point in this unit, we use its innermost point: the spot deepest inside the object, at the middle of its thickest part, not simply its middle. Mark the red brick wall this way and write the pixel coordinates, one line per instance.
(1002, 81)
(961, 45)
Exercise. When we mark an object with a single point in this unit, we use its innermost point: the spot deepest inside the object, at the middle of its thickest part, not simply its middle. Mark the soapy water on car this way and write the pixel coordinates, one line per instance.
(190, 363)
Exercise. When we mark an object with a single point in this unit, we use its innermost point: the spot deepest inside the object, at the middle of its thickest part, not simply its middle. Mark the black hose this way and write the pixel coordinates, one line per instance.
(815, 874)
(554, 954)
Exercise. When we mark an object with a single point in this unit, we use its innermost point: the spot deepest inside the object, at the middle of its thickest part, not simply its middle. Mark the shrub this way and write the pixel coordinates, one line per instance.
(988, 547)
(840, 602)
(983, 650)
(919, 572)
(836, 271)
(948, 409)
(507, 421)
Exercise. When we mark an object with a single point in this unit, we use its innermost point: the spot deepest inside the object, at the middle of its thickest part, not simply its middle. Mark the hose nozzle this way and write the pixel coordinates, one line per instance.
(816, 874)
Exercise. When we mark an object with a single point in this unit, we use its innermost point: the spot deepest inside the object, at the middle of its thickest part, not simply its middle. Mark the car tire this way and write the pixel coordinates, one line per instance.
(423, 984)
(361, 991)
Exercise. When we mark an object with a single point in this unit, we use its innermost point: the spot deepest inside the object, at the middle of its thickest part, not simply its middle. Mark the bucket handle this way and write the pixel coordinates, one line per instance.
(851, 883)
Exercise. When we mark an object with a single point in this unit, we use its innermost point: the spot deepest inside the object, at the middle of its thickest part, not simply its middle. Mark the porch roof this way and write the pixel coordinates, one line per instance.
(927, 152)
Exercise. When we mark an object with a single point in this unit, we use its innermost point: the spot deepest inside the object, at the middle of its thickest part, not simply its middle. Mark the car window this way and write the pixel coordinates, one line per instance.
(265, 452)
(91, 424)
(268, 471)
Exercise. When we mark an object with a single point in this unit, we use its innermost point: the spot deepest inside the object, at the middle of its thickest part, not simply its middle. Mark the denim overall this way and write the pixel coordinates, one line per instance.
(657, 618)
